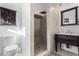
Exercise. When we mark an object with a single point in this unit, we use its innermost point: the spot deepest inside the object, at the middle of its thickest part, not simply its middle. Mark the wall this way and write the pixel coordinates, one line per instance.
(26, 22)
(4, 29)
(43, 24)
(72, 28)
(37, 26)
(18, 9)
(52, 24)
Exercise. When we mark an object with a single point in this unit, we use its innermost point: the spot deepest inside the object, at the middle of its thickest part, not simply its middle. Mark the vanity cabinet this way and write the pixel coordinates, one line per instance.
(66, 39)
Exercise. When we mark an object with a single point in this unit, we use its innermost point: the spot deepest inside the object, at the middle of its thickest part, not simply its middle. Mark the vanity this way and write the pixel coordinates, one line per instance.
(66, 39)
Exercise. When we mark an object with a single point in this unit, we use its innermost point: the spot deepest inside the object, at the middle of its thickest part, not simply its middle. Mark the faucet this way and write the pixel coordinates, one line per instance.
(69, 32)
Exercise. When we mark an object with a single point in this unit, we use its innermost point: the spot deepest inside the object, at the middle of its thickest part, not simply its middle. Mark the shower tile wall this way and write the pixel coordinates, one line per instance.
(43, 29)
(40, 41)
(37, 30)
(40, 30)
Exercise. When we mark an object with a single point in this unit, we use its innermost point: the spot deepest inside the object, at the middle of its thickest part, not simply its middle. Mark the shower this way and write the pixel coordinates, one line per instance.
(40, 32)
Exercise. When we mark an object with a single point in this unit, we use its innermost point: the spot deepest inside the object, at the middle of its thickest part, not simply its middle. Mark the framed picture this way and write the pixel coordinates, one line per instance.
(69, 16)
(7, 16)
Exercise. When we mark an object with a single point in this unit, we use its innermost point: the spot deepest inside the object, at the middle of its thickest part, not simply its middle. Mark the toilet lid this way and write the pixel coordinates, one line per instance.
(11, 48)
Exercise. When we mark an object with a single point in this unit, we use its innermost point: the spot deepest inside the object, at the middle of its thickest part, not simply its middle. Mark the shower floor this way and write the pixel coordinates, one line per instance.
(39, 48)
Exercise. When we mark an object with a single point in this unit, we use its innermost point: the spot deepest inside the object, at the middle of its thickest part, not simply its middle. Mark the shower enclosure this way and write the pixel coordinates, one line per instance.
(40, 34)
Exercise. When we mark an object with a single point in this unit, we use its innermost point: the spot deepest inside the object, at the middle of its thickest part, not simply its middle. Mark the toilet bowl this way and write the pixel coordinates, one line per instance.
(10, 50)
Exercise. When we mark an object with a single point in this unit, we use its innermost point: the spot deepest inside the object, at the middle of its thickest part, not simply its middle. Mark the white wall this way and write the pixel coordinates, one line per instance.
(4, 29)
(72, 28)
(18, 9)
(26, 22)
(38, 7)
(52, 25)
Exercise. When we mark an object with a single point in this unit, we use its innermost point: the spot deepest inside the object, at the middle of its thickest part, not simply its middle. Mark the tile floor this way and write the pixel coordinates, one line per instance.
(59, 53)
(63, 53)
(40, 48)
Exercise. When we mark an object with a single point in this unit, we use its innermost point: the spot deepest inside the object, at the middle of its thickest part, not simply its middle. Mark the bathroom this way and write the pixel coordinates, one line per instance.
(22, 32)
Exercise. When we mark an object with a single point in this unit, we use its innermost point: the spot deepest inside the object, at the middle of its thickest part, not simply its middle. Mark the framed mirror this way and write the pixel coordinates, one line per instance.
(69, 16)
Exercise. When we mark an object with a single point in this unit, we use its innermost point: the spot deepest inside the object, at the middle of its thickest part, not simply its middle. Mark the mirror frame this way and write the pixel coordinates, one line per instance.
(76, 16)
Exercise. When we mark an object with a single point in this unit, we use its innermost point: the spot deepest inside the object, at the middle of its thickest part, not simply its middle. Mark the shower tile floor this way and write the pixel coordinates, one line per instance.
(40, 48)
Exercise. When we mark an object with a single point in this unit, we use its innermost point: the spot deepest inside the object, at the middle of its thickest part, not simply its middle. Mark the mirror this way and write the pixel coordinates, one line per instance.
(69, 16)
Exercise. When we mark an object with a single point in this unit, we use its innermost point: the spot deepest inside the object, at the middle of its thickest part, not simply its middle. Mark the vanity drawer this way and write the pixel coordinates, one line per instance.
(67, 39)
(70, 42)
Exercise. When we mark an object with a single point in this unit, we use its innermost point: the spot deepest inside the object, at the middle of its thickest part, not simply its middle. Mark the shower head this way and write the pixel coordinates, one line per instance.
(43, 12)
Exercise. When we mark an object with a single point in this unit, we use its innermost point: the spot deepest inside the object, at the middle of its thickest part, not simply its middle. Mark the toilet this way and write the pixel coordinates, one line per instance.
(10, 45)
(10, 50)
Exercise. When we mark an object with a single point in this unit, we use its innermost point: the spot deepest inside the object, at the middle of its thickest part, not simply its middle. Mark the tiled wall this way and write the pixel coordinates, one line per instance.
(40, 30)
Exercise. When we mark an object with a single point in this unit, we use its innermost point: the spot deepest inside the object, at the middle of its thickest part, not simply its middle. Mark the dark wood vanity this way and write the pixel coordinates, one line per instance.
(66, 39)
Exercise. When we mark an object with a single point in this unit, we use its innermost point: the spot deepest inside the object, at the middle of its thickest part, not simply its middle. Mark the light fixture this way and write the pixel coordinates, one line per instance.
(43, 12)
(18, 32)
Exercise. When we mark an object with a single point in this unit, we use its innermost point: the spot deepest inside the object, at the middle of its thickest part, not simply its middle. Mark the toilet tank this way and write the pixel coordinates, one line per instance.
(10, 40)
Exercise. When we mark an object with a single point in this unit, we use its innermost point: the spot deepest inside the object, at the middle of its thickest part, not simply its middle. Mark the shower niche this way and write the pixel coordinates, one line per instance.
(7, 16)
